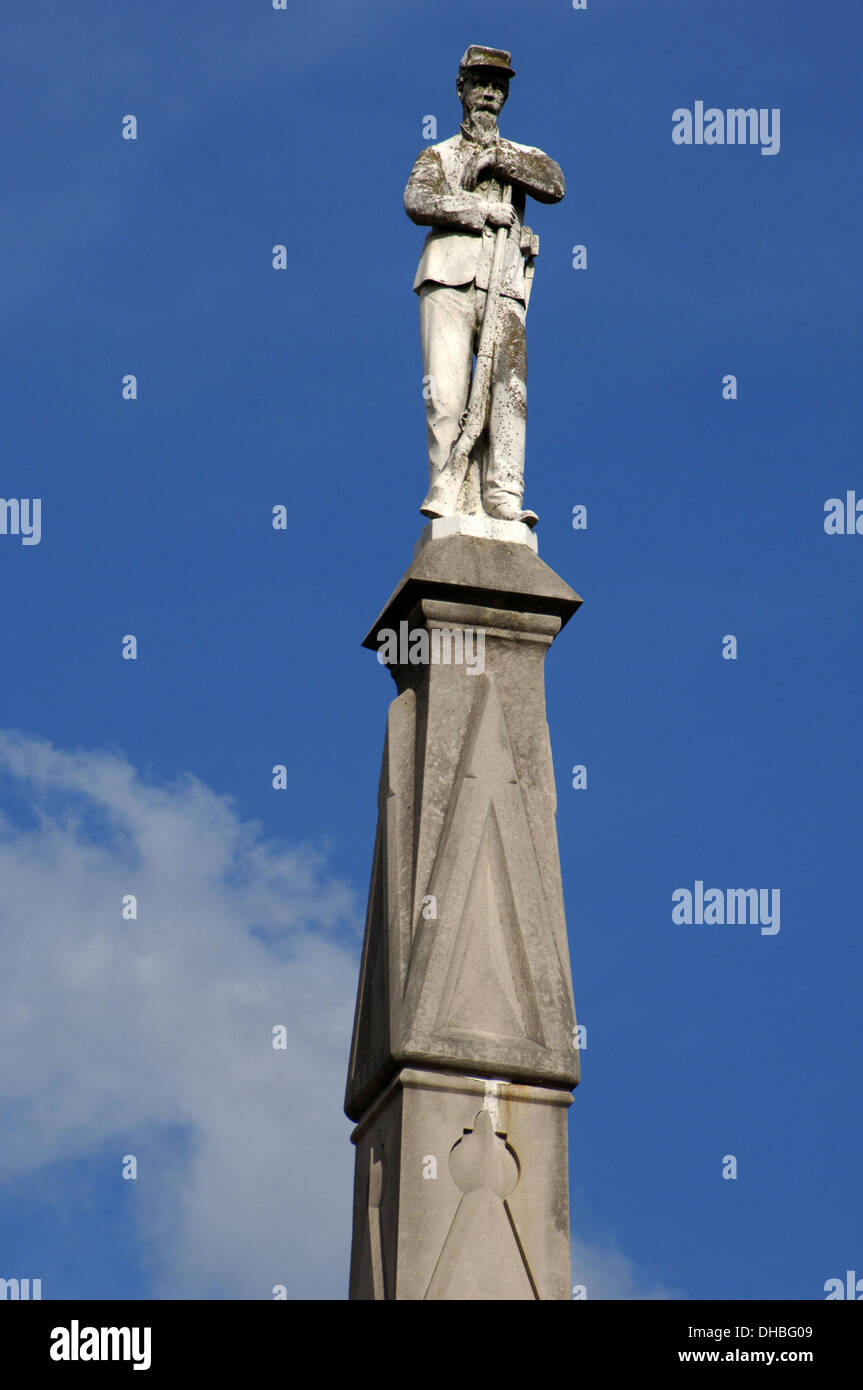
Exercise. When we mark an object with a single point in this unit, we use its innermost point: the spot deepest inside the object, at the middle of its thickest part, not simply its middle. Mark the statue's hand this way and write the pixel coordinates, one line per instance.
(500, 214)
(477, 165)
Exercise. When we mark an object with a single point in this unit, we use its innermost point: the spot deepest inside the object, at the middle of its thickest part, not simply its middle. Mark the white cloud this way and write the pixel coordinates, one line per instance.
(607, 1273)
(155, 1036)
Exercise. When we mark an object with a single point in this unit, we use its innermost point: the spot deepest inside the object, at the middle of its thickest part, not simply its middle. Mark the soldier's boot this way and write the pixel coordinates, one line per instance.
(504, 506)
(442, 498)
(513, 513)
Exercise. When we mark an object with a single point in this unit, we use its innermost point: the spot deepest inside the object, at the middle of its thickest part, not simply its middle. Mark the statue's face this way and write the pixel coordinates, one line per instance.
(484, 90)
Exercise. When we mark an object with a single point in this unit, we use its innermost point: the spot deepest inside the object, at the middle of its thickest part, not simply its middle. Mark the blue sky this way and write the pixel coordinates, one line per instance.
(303, 387)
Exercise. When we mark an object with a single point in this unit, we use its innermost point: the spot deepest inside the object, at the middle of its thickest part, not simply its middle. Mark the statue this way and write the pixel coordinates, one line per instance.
(473, 281)
(465, 1046)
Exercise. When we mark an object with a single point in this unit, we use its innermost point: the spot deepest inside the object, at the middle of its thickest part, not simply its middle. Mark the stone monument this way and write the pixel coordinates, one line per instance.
(464, 1052)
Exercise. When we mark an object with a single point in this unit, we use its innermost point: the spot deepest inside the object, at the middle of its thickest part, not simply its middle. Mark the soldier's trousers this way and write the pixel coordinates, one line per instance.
(450, 320)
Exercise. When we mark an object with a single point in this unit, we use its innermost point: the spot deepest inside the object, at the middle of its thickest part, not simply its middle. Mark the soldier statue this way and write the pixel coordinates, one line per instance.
(475, 274)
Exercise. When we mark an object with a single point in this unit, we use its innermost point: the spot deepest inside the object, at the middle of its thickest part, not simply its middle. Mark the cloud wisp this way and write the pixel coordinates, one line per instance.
(153, 1035)
(122, 1032)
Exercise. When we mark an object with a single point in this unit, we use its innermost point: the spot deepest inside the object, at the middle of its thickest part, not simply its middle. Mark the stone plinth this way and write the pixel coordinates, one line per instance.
(483, 527)
(461, 1191)
(465, 978)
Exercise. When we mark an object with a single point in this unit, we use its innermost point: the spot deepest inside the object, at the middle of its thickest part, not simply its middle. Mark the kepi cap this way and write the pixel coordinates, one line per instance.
(477, 56)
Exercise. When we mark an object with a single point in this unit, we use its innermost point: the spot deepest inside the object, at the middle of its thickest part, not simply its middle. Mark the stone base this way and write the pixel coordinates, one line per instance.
(464, 1050)
(485, 527)
(461, 1191)
(465, 963)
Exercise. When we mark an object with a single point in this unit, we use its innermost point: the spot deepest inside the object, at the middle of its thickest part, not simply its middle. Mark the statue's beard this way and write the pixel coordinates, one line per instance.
(482, 126)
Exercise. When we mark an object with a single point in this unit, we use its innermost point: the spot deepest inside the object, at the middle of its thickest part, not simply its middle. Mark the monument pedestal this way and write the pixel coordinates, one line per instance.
(461, 1191)
(464, 1051)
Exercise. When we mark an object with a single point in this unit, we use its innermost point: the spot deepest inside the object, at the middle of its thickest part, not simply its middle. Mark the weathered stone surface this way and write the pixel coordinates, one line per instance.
(461, 1192)
(465, 963)
(473, 570)
(483, 527)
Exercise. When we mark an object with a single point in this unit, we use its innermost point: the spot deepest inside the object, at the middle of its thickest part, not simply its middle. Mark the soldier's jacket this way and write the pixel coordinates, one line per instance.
(459, 247)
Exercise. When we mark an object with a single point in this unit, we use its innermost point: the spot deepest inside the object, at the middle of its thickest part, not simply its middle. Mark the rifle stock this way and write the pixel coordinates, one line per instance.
(474, 418)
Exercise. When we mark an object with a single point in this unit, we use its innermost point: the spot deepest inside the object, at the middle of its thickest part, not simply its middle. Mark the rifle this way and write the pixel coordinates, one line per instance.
(474, 418)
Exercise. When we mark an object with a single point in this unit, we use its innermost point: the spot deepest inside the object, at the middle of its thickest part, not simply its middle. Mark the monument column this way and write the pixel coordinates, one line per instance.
(463, 1057)
(464, 1050)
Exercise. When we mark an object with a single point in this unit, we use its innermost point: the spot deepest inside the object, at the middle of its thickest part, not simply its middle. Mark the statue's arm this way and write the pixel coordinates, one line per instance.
(535, 171)
(429, 202)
